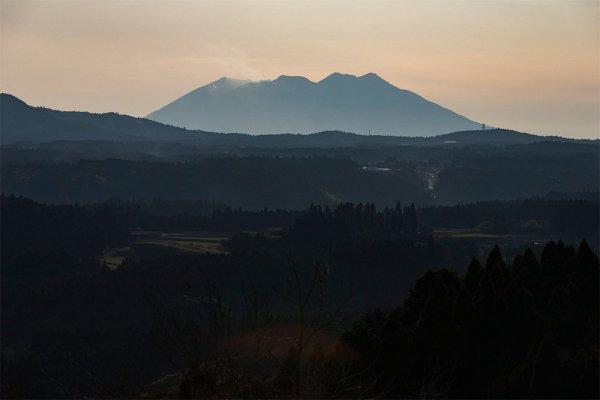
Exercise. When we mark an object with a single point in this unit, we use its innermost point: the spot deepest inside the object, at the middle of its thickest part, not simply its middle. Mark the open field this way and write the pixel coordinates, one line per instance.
(149, 244)
(475, 234)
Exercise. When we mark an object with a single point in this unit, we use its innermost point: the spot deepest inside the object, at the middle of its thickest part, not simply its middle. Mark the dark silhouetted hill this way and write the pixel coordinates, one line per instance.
(21, 125)
(21, 122)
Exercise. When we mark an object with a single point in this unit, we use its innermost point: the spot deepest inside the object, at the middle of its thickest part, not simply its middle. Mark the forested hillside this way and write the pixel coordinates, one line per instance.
(521, 329)
(21, 123)
(154, 297)
(298, 233)
(250, 182)
(289, 182)
(148, 261)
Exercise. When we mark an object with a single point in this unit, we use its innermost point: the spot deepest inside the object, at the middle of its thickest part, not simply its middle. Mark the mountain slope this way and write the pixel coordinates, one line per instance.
(21, 122)
(295, 104)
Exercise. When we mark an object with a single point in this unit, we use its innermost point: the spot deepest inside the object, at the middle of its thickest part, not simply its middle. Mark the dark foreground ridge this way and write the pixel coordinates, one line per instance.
(285, 309)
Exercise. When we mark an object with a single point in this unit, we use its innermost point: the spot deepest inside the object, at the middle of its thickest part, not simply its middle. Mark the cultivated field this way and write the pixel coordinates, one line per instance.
(149, 244)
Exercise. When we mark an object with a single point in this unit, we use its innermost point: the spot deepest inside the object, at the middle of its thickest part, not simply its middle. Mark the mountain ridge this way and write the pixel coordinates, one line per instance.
(295, 104)
(21, 123)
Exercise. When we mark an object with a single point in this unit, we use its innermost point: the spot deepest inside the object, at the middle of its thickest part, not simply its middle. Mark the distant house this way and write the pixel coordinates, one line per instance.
(375, 169)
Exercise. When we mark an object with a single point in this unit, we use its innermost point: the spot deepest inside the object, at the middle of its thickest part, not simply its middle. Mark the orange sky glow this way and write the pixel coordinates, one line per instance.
(531, 66)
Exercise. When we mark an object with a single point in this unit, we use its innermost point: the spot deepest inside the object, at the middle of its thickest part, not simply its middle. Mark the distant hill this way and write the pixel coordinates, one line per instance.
(21, 123)
(294, 104)
(249, 182)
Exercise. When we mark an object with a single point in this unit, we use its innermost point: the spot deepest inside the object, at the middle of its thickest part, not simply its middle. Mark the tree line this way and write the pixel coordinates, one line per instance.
(88, 229)
(525, 329)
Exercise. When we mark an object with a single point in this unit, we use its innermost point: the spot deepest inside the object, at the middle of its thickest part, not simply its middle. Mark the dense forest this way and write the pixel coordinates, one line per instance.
(499, 330)
(252, 182)
(88, 229)
(289, 182)
(287, 307)
(140, 260)
(527, 329)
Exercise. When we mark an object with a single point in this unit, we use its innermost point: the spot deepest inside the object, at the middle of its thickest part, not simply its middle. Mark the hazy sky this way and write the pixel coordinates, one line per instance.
(532, 66)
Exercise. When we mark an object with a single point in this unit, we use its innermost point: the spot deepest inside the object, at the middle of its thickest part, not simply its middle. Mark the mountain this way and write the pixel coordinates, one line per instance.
(294, 104)
(22, 122)
(22, 125)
